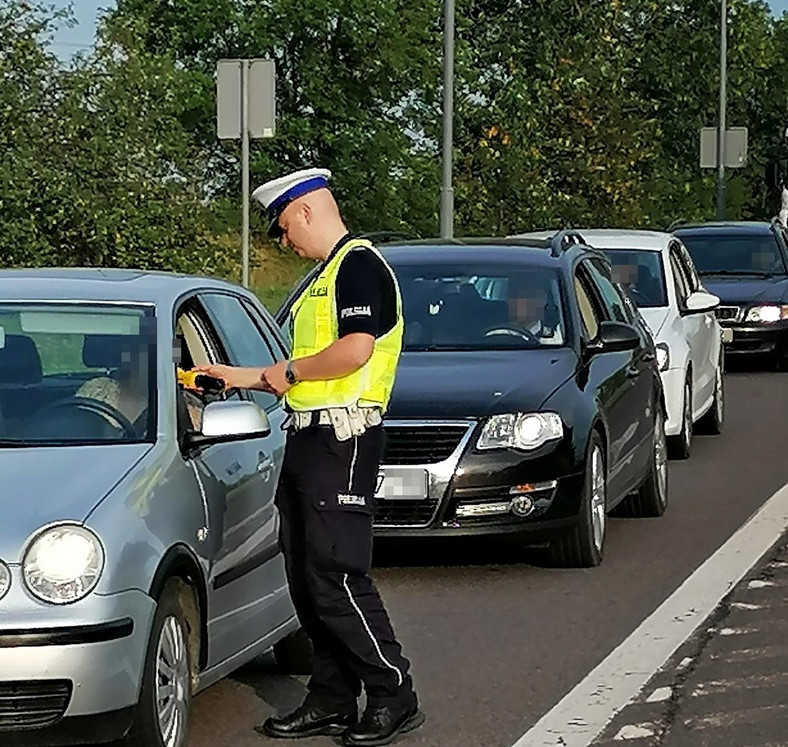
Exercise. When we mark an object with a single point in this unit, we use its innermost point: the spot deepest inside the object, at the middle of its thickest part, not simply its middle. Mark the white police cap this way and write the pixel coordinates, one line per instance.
(277, 194)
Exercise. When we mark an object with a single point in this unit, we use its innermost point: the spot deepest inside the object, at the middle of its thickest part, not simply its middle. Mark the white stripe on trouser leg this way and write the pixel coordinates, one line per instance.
(352, 465)
(400, 679)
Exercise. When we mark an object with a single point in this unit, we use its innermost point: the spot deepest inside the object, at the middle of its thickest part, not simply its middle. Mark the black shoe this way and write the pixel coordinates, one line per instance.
(380, 725)
(307, 721)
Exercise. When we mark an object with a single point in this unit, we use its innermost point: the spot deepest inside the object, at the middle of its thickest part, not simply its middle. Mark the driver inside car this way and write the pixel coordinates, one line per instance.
(126, 390)
(528, 303)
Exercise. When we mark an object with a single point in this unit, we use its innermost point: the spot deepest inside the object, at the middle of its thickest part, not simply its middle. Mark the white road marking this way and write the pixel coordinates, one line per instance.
(756, 682)
(684, 663)
(747, 654)
(740, 631)
(635, 731)
(759, 584)
(659, 695)
(583, 713)
(748, 607)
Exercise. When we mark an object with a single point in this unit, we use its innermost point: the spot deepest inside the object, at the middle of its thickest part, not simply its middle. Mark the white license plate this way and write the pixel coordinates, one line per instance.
(402, 484)
(727, 335)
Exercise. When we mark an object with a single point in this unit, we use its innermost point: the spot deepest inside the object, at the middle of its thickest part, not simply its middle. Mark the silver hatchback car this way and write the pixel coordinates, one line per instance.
(139, 556)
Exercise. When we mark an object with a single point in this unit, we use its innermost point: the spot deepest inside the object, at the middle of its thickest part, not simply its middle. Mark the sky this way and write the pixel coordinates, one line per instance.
(69, 41)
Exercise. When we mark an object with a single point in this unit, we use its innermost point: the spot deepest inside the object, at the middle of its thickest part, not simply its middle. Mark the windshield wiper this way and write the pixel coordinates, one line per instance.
(748, 273)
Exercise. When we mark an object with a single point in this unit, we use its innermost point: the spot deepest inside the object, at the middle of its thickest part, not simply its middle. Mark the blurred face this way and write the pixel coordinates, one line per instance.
(527, 305)
(134, 365)
(625, 274)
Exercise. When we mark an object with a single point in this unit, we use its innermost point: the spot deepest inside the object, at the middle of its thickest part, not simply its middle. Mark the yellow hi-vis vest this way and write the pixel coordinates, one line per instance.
(315, 326)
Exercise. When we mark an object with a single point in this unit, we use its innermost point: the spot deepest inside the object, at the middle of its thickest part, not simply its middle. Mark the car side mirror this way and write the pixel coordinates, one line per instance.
(699, 302)
(614, 337)
(225, 421)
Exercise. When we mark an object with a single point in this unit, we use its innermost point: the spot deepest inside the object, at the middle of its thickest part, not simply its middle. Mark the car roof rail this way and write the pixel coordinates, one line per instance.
(564, 240)
(675, 224)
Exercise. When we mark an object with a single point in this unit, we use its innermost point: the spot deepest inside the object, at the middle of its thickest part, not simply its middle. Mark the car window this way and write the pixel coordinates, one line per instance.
(735, 252)
(641, 273)
(194, 348)
(478, 305)
(77, 374)
(680, 280)
(275, 336)
(588, 313)
(690, 271)
(244, 342)
(611, 297)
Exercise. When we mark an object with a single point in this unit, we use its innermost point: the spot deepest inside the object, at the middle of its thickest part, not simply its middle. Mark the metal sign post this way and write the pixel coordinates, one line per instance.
(447, 189)
(245, 108)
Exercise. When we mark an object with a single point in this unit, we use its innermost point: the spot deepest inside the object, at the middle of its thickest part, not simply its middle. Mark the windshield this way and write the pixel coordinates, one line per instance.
(76, 374)
(480, 306)
(642, 274)
(735, 254)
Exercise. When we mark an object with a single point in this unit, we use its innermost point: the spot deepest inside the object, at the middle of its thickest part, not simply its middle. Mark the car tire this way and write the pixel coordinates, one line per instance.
(293, 653)
(168, 660)
(680, 446)
(651, 499)
(583, 546)
(712, 422)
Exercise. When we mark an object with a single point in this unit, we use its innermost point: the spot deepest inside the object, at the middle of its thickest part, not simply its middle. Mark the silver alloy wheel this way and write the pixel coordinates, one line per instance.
(661, 459)
(719, 402)
(172, 683)
(598, 498)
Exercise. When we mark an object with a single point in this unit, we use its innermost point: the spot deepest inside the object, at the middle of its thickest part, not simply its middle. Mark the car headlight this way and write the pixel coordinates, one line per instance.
(63, 564)
(663, 356)
(520, 430)
(5, 579)
(767, 314)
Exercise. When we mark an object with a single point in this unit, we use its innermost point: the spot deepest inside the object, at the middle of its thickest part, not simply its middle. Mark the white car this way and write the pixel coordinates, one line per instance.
(660, 277)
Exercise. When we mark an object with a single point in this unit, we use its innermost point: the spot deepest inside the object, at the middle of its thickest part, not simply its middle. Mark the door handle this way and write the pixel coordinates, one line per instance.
(265, 465)
(648, 357)
(632, 372)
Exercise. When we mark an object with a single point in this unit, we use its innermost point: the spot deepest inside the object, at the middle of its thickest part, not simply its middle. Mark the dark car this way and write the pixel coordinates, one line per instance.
(746, 265)
(527, 403)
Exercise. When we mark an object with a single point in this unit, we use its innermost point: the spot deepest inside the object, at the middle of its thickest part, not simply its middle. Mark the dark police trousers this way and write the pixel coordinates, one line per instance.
(326, 504)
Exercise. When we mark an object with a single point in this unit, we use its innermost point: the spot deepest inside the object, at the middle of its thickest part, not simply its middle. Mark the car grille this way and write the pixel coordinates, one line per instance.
(421, 444)
(33, 704)
(405, 513)
(728, 313)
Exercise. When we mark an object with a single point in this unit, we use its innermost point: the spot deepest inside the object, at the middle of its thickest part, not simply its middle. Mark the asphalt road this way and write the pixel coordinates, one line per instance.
(496, 638)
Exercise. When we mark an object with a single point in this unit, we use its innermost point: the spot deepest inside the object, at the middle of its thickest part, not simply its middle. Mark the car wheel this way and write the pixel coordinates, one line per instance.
(162, 715)
(293, 654)
(651, 499)
(713, 420)
(583, 547)
(679, 447)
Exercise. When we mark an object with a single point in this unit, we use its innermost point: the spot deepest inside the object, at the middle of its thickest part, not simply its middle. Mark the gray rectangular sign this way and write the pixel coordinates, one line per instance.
(260, 95)
(735, 156)
(262, 98)
(228, 99)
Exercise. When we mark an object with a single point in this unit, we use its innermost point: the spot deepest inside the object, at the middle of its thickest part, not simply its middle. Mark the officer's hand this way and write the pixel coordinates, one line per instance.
(233, 376)
(273, 379)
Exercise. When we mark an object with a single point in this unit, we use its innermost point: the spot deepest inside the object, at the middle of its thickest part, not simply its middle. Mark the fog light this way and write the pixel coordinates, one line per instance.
(522, 505)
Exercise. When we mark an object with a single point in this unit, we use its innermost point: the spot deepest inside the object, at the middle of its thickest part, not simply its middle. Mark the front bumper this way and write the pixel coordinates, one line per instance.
(79, 663)
(470, 493)
(757, 339)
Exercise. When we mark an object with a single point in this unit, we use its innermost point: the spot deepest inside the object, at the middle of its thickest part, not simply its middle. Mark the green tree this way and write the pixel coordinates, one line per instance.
(98, 169)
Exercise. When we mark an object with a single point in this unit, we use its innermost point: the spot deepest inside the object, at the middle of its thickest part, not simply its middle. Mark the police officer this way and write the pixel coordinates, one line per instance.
(346, 333)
